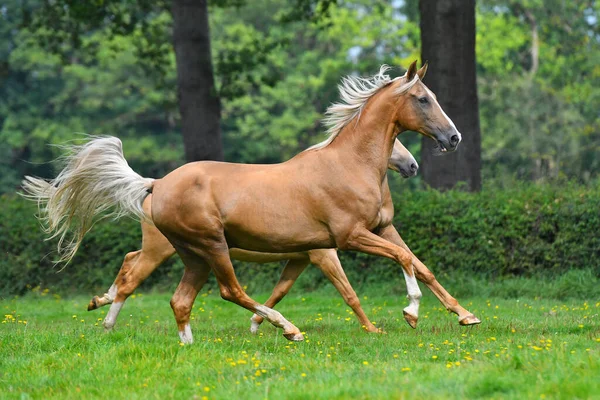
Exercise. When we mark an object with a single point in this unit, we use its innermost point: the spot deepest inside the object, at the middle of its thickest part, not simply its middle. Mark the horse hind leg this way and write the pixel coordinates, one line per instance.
(109, 296)
(140, 266)
(292, 270)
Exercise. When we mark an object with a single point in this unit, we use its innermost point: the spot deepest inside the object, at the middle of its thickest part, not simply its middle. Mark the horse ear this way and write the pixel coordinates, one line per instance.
(412, 70)
(422, 71)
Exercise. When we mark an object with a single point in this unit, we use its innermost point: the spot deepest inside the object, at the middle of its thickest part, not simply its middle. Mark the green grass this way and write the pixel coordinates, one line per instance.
(525, 348)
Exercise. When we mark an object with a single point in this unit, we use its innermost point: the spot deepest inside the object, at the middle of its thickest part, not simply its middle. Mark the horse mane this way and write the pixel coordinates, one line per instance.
(354, 94)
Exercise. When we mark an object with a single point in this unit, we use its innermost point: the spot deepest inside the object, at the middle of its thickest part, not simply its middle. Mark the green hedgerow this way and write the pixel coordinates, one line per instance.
(526, 230)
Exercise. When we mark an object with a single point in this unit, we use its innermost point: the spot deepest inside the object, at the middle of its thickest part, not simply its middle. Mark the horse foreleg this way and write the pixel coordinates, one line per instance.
(328, 262)
(367, 242)
(428, 278)
(289, 275)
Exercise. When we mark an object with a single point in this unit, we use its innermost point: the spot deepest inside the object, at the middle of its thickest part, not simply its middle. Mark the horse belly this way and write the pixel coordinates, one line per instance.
(273, 231)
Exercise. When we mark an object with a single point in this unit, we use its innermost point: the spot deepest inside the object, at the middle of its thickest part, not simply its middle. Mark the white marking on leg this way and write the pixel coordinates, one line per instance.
(186, 335)
(274, 317)
(109, 296)
(112, 292)
(112, 315)
(253, 324)
(414, 294)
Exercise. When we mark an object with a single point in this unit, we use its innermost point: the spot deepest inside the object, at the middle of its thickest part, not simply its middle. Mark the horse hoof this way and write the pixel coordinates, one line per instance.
(294, 337)
(93, 304)
(372, 329)
(469, 320)
(411, 319)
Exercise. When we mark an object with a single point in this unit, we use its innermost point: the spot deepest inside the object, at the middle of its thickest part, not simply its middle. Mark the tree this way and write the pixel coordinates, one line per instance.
(448, 43)
(199, 103)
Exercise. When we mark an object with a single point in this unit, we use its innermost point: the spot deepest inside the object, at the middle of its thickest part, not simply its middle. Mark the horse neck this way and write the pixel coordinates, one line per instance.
(367, 143)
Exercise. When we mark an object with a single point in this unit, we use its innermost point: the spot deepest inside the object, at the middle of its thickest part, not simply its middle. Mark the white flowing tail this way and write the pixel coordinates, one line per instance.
(96, 183)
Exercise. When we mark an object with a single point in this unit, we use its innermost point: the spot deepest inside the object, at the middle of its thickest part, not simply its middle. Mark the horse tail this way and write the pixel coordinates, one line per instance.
(96, 183)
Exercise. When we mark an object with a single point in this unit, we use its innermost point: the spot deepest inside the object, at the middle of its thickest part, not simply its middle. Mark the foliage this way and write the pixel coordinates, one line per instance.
(527, 349)
(529, 230)
(539, 112)
(277, 71)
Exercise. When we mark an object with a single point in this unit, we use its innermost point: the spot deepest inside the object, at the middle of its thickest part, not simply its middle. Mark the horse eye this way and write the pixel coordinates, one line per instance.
(423, 100)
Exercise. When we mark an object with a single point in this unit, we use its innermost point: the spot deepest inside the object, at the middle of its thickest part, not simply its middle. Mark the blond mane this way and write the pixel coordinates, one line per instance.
(354, 94)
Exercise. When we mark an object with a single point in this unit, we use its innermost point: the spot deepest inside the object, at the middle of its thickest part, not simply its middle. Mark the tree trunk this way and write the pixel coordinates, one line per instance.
(448, 43)
(199, 102)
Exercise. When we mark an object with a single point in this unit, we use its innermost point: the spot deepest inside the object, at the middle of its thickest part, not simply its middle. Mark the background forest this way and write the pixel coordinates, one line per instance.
(538, 70)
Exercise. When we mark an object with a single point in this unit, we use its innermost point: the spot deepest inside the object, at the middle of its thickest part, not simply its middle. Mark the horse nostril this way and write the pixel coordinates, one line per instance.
(414, 167)
(454, 140)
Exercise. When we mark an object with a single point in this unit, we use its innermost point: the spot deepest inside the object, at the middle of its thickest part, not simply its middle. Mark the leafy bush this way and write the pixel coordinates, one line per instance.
(527, 230)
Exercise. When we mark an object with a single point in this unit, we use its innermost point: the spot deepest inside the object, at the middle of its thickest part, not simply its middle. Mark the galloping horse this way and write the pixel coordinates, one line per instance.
(334, 194)
(156, 249)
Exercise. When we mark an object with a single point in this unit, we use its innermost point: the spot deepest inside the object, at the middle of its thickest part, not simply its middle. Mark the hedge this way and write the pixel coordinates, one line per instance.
(524, 230)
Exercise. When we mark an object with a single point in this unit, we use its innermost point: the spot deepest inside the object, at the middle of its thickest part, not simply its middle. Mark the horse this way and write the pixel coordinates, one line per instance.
(333, 195)
(156, 249)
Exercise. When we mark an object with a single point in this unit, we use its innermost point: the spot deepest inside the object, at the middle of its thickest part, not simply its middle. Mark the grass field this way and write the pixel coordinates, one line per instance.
(525, 348)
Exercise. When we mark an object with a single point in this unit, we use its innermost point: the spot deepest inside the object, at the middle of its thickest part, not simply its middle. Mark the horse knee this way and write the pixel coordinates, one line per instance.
(405, 259)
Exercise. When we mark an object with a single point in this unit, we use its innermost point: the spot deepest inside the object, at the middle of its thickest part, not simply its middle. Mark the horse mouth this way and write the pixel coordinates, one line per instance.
(405, 174)
(441, 148)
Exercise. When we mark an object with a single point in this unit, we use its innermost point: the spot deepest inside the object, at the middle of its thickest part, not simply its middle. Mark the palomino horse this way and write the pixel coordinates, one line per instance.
(334, 194)
(156, 249)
